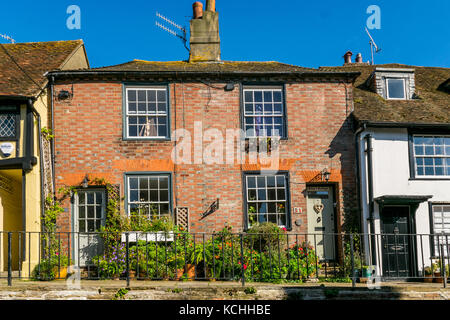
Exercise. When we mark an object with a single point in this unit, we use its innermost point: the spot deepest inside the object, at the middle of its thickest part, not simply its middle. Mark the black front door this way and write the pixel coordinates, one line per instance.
(395, 241)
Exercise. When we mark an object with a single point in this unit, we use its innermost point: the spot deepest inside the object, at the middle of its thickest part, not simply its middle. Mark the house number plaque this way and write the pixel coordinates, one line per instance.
(6, 149)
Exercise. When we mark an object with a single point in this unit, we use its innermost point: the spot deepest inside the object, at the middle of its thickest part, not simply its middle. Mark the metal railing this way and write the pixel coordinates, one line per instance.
(225, 256)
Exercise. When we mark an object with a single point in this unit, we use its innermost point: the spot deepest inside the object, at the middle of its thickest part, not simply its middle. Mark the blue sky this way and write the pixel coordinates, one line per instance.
(306, 33)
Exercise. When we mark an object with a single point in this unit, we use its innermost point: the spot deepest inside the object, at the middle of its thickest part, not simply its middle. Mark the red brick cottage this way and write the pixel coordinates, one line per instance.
(121, 123)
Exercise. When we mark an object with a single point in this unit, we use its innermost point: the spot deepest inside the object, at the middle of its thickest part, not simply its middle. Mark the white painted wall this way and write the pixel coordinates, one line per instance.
(391, 176)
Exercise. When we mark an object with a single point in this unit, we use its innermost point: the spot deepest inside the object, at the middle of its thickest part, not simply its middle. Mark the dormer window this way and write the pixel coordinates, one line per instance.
(395, 88)
(393, 83)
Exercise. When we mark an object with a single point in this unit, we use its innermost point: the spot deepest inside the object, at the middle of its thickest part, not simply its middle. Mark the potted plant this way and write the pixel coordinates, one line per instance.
(428, 275)
(365, 274)
(437, 273)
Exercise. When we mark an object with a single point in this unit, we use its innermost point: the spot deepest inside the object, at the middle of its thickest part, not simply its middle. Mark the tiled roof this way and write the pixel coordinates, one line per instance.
(431, 107)
(33, 59)
(223, 66)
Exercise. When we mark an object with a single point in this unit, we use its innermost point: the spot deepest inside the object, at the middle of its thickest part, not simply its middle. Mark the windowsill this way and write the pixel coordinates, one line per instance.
(430, 178)
(146, 139)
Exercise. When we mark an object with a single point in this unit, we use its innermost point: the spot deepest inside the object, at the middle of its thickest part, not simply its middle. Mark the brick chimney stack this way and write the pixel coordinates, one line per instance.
(359, 58)
(348, 57)
(205, 40)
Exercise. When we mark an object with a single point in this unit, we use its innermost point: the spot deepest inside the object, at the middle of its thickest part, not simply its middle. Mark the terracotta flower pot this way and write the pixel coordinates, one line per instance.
(190, 271)
(438, 277)
(428, 278)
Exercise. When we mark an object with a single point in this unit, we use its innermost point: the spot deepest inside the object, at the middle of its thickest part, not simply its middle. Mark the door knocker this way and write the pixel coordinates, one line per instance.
(318, 207)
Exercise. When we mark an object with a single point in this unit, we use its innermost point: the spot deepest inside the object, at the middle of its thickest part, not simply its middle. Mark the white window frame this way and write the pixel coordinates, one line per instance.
(77, 209)
(444, 157)
(157, 113)
(168, 202)
(387, 88)
(264, 114)
(443, 234)
(276, 188)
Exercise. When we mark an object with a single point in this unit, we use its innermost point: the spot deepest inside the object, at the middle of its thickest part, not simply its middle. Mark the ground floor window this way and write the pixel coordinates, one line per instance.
(148, 195)
(441, 227)
(267, 199)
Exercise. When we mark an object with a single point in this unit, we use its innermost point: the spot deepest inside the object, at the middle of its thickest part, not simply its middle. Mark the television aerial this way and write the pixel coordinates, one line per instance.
(373, 45)
(181, 29)
(6, 37)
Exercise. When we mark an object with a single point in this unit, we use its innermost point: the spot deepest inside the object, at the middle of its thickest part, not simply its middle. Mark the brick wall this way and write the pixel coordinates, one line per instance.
(88, 140)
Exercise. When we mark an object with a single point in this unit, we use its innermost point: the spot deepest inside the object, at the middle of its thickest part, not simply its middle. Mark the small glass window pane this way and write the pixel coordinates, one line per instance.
(396, 88)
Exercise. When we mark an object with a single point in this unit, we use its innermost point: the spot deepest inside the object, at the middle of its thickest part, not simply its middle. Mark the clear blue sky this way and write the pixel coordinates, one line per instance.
(306, 33)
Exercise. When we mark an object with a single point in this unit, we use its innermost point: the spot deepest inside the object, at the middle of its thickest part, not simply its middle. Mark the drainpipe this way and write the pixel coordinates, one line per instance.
(52, 142)
(369, 151)
(358, 169)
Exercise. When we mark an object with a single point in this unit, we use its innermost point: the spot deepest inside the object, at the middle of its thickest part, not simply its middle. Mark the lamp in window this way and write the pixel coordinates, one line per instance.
(325, 175)
(85, 182)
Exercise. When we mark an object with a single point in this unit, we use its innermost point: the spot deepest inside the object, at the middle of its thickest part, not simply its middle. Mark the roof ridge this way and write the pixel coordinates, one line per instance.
(44, 42)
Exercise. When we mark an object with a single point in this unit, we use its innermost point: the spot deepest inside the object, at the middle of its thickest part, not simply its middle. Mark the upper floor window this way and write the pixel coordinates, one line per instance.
(393, 83)
(432, 155)
(264, 114)
(146, 112)
(8, 122)
(395, 88)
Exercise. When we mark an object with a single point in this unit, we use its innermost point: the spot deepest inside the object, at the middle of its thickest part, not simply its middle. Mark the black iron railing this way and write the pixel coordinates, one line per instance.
(224, 256)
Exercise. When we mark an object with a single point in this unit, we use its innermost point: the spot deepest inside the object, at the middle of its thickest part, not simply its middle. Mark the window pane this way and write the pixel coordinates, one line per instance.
(90, 198)
(143, 183)
(271, 194)
(133, 183)
(248, 96)
(164, 195)
(153, 195)
(142, 97)
(396, 88)
(82, 226)
(81, 212)
(277, 96)
(251, 194)
(151, 95)
(131, 95)
(258, 96)
(98, 197)
(251, 183)
(90, 212)
(132, 107)
(98, 212)
(161, 95)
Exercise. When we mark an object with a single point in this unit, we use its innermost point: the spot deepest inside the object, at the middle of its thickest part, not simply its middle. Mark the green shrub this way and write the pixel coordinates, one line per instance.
(261, 236)
(48, 269)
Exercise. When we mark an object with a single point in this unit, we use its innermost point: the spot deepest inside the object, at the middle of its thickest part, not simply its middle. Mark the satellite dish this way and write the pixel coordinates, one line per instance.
(372, 45)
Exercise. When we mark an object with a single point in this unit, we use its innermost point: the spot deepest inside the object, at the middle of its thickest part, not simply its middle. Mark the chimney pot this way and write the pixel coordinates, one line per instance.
(198, 9)
(348, 57)
(211, 5)
(359, 58)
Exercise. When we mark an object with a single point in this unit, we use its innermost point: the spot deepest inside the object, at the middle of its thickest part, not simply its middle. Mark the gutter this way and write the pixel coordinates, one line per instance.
(352, 75)
(376, 124)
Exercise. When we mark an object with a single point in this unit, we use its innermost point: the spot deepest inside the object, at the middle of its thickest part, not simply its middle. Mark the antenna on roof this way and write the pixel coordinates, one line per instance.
(182, 36)
(372, 45)
(4, 36)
